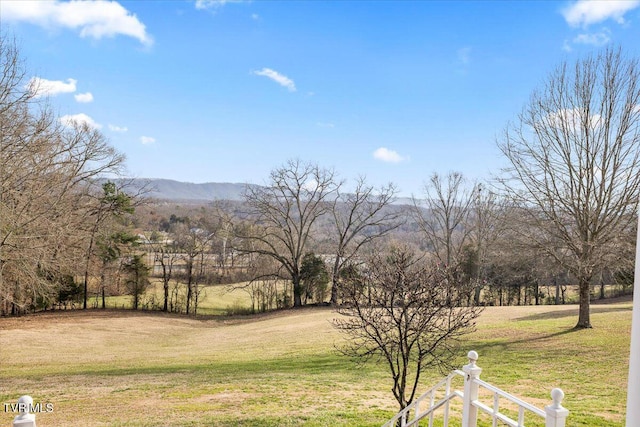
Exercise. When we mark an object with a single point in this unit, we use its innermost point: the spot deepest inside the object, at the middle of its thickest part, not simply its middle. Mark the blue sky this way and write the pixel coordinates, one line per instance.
(225, 91)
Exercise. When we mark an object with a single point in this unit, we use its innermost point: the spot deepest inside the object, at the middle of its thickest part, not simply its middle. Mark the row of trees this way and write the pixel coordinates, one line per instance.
(58, 220)
(570, 195)
(467, 227)
(565, 207)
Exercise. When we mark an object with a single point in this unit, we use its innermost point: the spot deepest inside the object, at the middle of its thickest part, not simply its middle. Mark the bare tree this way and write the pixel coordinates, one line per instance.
(44, 179)
(167, 256)
(407, 313)
(359, 218)
(574, 155)
(443, 216)
(224, 223)
(194, 242)
(285, 211)
(487, 225)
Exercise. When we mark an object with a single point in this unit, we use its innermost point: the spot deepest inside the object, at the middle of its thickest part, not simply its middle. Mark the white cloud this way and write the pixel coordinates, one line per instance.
(596, 39)
(213, 4)
(43, 87)
(146, 140)
(281, 79)
(93, 18)
(80, 119)
(386, 155)
(311, 185)
(115, 128)
(570, 120)
(587, 12)
(255, 16)
(84, 97)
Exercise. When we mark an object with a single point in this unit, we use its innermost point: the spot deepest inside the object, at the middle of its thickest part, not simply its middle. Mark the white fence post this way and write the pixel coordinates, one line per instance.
(472, 371)
(25, 419)
(633, 384)
(556, 414)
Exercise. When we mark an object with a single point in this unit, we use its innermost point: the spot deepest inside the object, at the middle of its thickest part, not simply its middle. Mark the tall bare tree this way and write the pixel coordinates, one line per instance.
(574, 154)
(443, 216)
(487, 224)
(285, 211)
(166, 256)
(45, 172)
(359, 218)
(193, 240)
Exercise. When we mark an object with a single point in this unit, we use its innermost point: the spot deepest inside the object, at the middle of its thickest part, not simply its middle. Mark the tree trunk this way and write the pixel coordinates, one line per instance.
(334, 292)
(334, 279)
(584, 320)
(477, 292)
(103, 284)
(86, 274)
(135, 292)
(297, 292)
(166, 296)
(189, 280)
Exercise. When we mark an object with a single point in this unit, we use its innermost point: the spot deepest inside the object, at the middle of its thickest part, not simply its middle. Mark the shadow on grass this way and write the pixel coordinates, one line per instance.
(114, 312)
(505, 344)
(571, 312)
(307, 365)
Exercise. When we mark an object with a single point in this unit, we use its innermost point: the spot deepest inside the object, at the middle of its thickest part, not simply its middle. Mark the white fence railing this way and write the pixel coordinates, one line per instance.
(442, 395)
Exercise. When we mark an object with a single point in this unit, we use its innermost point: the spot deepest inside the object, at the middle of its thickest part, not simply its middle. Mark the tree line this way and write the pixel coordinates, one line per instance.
(563, 212)
(56, 218)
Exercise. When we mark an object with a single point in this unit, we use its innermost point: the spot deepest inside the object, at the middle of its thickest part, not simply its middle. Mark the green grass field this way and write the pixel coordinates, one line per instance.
(122, 368)
(214, 300)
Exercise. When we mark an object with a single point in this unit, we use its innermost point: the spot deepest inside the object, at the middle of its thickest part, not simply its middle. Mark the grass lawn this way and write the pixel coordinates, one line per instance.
(214, 300)
(120, 368)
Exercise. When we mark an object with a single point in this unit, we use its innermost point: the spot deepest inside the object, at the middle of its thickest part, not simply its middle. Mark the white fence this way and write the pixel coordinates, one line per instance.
(443, 396)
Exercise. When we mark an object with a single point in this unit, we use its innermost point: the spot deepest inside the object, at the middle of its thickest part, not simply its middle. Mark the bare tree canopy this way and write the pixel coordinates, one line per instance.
(45, 174)
(285, 211)
(407, 313)
(359, 218)
(574, 155)
(445, 224)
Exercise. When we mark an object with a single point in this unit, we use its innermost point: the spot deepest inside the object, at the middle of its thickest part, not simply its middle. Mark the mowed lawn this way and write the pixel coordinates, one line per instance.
(122, 368)
(214, 300)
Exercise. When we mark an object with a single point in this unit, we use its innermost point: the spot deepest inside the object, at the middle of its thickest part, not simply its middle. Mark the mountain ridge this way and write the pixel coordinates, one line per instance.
(172, 190)
(163, 189)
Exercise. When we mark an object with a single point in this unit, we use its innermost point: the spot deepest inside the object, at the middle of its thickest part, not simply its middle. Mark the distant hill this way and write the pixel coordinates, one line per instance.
(167, 189)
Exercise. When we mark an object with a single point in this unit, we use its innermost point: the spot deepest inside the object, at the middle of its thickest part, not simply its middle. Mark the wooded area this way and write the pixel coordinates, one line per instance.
(562, 215)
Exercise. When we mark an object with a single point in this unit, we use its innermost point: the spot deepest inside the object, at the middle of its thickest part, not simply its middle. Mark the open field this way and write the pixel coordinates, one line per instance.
(222, 299)
(214, 300)
(121, 368)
